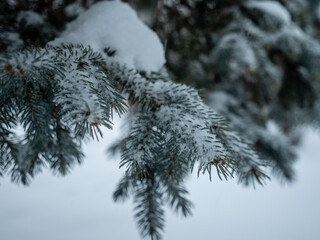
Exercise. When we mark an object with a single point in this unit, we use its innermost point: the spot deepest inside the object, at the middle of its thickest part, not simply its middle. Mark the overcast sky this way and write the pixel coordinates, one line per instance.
(79, 206)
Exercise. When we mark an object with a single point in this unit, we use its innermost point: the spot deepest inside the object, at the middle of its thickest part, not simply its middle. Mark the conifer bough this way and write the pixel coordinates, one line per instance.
(108, 62)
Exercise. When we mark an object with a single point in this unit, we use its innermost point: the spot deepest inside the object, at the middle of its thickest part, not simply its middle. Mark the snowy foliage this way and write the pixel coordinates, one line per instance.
(256, 62)
(61, 93)
(40, 89)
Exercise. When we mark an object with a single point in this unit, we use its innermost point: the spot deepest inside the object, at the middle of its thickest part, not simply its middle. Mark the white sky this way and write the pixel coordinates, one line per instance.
(79, 206)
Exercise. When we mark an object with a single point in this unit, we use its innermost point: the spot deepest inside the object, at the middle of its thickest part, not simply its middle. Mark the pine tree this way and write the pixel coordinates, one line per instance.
(66, 67)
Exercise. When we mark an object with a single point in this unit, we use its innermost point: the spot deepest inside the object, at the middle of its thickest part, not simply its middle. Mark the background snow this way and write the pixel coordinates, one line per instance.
(79, 206)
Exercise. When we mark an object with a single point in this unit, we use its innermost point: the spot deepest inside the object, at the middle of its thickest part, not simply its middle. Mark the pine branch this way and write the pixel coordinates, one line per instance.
(176, 198)
(177, 112)
(122, 191)
(65, 151)
(149, 213)
(171, 130)
(59, 95)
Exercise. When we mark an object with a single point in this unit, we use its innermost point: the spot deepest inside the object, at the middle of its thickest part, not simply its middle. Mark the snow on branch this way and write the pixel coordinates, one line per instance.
(85, 95)
(65, 91)
(174, 112)
(59, 95)
(113, 27)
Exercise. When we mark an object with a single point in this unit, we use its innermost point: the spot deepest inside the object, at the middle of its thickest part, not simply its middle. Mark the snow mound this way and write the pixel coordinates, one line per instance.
(113, 27)
(234, 54)
(272, 8)
(31, 18)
